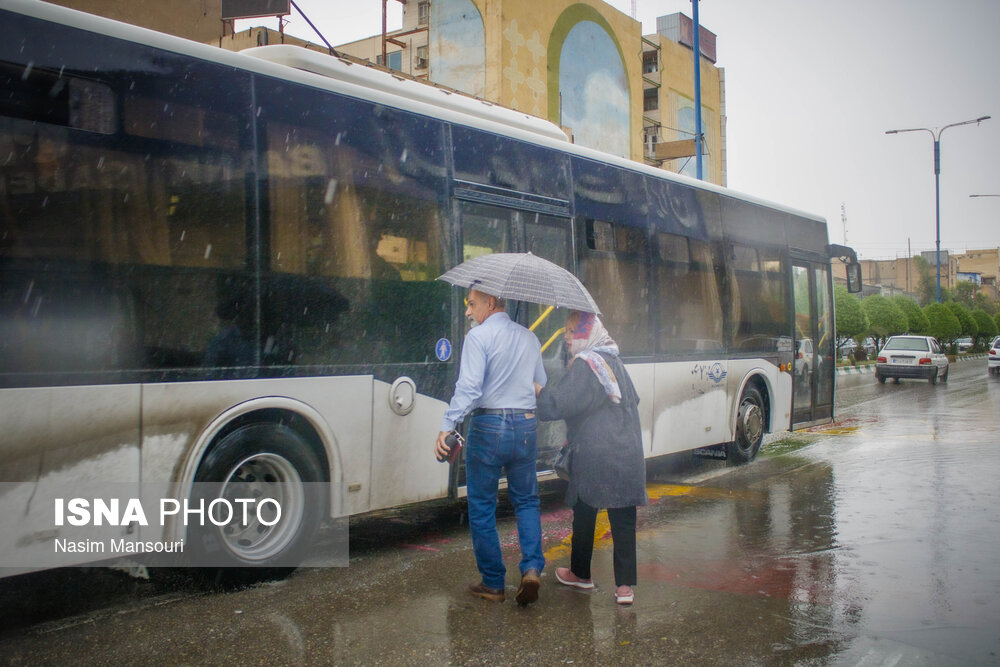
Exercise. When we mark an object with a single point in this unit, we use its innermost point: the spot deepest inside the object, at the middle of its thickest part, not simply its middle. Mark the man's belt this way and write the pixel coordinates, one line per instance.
(500, 411)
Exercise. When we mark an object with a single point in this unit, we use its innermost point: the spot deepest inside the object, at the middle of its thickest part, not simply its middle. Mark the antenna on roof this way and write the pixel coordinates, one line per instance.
(333, 51)
(843, 219)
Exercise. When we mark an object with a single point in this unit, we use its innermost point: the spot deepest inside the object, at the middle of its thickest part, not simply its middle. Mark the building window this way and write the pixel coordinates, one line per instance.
(650, 100)
(650, 62)
(395, 60)
(421, 57)
(423, 13)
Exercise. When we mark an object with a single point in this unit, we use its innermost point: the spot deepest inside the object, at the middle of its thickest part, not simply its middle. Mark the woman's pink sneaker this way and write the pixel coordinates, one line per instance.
(566, 577)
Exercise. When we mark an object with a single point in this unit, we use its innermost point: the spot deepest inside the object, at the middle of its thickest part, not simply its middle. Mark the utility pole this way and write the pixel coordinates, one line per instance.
(696, 29)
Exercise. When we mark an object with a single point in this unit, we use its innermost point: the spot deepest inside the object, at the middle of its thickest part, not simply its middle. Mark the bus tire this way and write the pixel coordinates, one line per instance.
(259, 460)
(750, 420)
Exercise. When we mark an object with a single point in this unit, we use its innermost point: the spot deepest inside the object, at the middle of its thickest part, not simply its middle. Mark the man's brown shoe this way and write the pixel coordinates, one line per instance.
(528, 591)
(480, 590)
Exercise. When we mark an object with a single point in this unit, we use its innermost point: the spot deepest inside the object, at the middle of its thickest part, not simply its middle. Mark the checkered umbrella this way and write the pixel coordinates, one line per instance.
(522, 277)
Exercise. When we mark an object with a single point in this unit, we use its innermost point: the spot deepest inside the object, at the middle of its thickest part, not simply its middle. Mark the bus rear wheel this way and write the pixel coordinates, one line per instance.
(750, 420)
(272, 465)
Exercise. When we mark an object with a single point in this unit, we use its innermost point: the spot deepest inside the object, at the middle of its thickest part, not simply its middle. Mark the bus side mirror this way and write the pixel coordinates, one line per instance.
(853, 277)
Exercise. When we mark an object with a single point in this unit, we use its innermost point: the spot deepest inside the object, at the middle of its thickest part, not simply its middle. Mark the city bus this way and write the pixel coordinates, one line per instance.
(222, 267)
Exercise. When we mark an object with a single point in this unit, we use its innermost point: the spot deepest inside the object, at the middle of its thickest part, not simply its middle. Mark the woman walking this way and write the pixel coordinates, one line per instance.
(597, 400)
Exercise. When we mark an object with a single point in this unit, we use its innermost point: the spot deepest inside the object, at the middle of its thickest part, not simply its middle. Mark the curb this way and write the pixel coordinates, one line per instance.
(855, 370)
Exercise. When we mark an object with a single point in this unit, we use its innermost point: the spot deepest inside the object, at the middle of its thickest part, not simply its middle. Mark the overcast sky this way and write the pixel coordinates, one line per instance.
(811, 88)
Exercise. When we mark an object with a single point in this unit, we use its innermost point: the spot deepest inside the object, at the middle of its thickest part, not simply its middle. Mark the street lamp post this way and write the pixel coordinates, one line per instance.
(936, 134)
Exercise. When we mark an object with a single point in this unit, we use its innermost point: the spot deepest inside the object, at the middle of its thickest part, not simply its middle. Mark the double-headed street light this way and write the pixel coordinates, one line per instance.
(936, 134)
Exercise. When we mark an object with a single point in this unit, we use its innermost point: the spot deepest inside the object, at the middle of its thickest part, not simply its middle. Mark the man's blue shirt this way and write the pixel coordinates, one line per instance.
(501, 361)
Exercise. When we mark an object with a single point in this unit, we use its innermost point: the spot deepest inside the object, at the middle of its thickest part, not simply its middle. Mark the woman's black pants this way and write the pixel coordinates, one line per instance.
(622, 520)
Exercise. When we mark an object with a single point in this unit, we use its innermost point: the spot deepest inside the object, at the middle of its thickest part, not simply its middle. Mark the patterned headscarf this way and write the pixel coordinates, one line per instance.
(587, 337)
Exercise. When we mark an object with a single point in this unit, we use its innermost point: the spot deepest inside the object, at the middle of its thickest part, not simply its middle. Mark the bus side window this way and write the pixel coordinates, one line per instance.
(690, 307)
(355, 216)
(758, 317)
(615, 272)
(124, 212)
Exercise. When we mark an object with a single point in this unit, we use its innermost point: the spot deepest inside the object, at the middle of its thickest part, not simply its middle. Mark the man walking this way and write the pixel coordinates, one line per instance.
(501, 361)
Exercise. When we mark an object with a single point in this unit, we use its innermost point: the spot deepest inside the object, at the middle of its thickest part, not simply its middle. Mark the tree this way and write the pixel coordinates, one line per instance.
(964, 293)
(969, 326)
(885, 318)
(987, 327)
(980, 300)
(996, 319)
(851, 319)
(944, 325)
(916, 320)
(927, 282)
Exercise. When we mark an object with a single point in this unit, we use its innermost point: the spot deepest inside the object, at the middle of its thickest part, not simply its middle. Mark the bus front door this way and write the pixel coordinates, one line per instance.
(489, 229)
(813, 365)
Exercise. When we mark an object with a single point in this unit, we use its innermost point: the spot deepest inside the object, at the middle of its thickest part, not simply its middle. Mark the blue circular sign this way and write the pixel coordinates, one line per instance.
(443, 349)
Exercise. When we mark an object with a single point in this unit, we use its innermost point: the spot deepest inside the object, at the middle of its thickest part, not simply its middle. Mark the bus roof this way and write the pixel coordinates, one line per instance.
(337, 75)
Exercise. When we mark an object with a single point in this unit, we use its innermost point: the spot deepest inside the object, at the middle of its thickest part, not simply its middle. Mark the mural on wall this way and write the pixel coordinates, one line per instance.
(594, 90)
(457, 51)
(525, 70)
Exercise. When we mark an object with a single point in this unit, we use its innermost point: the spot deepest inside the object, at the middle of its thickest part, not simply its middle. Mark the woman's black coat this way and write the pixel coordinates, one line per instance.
(608, 467)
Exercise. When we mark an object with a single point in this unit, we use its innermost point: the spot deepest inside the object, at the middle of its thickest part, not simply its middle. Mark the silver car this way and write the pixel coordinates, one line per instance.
(916, 357)
(993, 361)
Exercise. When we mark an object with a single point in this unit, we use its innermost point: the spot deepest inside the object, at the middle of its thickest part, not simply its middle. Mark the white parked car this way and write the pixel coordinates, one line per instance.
(916, 357)
(993, 361)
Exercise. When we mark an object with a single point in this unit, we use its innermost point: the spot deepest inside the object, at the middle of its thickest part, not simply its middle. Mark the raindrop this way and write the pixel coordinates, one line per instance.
(27, 70)
(125, 198)
(258, 112)
(402, 158)
(45, 201)
(336, 141)
(100, 162)
(27, 292)
(331, 190)
(208, 250)
(183, 234)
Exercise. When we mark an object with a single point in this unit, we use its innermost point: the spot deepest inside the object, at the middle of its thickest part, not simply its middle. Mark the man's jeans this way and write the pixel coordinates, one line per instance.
(497, 442)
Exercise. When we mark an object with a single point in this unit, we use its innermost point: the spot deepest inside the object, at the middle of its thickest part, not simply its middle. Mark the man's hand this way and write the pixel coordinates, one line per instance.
(538, 389)
(441, 449)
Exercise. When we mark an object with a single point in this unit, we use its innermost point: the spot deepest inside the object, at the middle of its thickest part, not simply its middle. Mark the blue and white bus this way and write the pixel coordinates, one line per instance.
(217, 266)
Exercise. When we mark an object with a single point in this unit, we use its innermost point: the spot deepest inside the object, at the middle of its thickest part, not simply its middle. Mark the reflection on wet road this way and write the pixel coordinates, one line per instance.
(871, 541)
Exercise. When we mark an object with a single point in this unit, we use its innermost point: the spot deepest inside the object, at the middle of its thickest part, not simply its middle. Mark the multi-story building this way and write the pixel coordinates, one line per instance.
(984, 263)
(900, 275)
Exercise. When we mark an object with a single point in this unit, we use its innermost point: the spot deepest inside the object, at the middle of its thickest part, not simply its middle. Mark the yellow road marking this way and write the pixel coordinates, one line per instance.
(602, 528)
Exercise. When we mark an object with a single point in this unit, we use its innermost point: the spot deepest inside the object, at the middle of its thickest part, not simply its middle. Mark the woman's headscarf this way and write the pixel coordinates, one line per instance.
(588, 337)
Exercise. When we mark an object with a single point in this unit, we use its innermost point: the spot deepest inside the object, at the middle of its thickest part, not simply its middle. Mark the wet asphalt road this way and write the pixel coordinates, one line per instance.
(870, 542)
